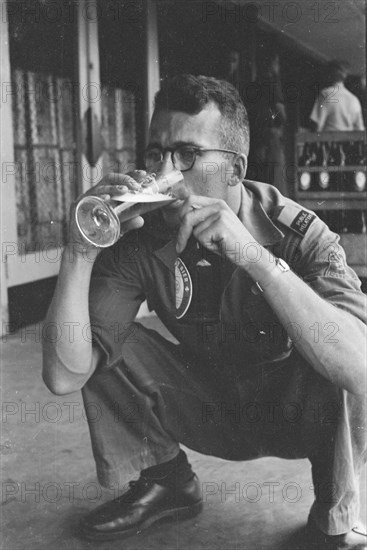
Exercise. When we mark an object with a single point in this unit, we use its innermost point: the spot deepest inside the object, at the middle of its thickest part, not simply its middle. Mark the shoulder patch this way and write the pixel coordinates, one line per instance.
(296, 218)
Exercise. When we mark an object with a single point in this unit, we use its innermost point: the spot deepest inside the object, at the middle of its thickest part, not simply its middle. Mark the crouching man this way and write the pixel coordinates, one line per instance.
(256, 291)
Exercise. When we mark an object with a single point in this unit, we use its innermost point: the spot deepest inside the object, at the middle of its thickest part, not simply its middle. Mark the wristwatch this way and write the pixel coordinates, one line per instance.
(280, 265)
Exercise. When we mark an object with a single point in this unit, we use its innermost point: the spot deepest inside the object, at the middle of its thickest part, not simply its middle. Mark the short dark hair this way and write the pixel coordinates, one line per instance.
(190, 94)
(337, 71)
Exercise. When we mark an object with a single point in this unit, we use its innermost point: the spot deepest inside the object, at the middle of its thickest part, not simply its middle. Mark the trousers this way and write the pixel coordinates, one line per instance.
(159, 396)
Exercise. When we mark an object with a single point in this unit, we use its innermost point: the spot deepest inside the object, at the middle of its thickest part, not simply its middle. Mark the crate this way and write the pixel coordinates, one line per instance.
(325, 202)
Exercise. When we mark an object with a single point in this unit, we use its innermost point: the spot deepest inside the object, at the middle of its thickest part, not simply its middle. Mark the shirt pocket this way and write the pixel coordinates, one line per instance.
(260, 335)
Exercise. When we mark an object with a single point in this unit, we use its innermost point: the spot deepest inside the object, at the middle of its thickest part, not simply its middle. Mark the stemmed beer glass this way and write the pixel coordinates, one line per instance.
(99, 220)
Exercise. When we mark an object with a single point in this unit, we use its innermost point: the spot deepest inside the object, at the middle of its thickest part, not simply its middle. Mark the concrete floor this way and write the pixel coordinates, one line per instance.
(49, 481)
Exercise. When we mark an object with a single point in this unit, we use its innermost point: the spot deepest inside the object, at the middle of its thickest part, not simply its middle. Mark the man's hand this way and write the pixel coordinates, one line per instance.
(214, 225)
(111, 185)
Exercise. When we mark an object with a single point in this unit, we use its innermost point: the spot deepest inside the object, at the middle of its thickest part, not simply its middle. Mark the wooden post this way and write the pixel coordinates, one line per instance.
(8, 214)
(90, 96)
(152, 60)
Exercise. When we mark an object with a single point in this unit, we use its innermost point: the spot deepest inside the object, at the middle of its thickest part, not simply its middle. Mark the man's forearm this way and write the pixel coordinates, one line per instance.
(67, 347)
(332, 340)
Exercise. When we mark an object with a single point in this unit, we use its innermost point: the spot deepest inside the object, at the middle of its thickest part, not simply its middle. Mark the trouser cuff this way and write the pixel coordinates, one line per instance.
(334, 521)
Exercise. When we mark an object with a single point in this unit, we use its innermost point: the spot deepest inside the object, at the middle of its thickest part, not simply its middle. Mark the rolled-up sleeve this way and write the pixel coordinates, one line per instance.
(116, 293)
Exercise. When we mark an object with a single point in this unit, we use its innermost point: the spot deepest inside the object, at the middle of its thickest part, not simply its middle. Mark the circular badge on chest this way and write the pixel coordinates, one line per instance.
(183, 288)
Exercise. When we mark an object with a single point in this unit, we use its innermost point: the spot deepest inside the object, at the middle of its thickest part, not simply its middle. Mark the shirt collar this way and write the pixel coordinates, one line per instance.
(255, 219)
(252, 215)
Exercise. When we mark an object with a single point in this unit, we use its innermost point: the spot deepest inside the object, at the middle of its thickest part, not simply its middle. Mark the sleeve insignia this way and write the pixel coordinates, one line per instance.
(296, 218)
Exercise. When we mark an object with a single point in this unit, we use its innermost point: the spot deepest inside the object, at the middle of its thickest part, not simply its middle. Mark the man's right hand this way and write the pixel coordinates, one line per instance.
(111, 185)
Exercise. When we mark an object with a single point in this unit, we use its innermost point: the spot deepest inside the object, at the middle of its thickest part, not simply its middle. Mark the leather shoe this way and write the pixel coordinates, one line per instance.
(144, 503)
(355, 539)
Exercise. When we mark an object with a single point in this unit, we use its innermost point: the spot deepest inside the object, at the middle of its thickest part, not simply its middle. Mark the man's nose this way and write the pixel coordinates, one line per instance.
(166, 164)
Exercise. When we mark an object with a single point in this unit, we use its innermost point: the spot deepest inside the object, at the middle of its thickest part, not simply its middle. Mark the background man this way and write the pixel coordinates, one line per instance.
(233, 70)
(336, 108)
(246, 235)
(268, 119)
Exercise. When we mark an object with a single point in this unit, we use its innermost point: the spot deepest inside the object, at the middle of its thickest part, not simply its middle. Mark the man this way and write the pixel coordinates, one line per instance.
(241, 356)
(268, 118)
(336, 108)
(233, 70)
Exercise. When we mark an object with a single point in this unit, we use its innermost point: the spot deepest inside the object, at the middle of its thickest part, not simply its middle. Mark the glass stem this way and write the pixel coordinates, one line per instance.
(122, 207)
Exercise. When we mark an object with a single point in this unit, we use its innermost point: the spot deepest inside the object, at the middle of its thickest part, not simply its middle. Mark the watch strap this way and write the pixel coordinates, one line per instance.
(280, 265)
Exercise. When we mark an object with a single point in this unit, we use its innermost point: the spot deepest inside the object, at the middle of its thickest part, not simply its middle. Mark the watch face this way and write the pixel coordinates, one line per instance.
(283, 266)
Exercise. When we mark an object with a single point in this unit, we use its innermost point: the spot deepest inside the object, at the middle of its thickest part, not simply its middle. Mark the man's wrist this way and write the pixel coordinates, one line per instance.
(77, 251)
(266, 271)
(280, 267)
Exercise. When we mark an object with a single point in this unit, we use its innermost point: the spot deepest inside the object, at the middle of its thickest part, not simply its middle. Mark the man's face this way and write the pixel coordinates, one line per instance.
(212, 170)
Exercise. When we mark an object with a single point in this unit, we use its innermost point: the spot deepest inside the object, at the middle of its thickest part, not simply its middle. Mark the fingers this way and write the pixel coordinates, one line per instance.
(115, 184)
(138, 175)
(134, 223)
(134, 177)
(118, 185)
(210, 234)
(198, 217)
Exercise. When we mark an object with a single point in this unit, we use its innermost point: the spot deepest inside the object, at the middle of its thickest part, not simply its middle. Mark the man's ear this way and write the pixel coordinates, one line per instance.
(239, 165)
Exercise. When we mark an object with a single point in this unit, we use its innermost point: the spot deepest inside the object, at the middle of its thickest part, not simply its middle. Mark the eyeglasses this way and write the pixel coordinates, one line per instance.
(183, 157)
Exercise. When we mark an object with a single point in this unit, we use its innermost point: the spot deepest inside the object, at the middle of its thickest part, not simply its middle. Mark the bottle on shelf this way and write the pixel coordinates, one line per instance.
(332, 163)
(364, 222)
(306, 160)
(304, 154)
(343, 174)
(336, 162)
(355, 220)
(323, 177)
(359, 175)
(351, 153)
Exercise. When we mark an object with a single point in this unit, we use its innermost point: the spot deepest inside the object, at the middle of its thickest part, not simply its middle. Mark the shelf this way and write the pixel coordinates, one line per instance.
(359, 168)
(313, 137)
(332, 204)
(336, 195)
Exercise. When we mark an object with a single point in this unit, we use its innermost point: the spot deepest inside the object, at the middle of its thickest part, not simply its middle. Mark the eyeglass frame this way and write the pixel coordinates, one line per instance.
(196, 149)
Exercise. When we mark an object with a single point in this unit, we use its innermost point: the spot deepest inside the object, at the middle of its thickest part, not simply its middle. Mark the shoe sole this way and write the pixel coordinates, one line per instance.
(177, 514)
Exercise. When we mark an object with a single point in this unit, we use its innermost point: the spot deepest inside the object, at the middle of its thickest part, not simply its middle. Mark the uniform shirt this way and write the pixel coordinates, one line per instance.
(141, 266)
(337, 109)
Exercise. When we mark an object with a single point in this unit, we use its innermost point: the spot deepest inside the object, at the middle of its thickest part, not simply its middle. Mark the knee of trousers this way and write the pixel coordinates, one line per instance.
(142, 359)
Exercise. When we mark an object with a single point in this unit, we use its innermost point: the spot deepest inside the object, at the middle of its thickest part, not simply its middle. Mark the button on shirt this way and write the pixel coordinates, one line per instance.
(141, 266)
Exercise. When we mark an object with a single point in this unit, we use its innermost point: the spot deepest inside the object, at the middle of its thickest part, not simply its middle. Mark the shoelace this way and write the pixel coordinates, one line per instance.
(137, 483)
(133, 488)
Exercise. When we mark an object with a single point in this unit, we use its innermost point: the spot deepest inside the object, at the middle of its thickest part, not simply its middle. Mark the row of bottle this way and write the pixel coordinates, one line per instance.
(329, 161)
(332, 153)
(345, 221)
